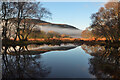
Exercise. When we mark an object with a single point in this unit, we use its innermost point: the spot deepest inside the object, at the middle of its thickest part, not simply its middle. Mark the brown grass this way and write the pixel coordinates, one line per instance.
(64, 39)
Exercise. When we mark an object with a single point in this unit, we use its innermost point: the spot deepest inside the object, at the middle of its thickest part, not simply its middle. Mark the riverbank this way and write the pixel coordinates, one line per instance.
(58, 41)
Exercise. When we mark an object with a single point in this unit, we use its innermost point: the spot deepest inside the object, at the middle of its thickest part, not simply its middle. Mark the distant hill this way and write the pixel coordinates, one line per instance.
(60, 28)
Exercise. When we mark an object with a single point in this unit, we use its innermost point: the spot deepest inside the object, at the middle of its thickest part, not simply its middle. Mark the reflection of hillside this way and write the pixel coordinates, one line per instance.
(51, 47)
(105, 62)
(23, 66)
(38, 49)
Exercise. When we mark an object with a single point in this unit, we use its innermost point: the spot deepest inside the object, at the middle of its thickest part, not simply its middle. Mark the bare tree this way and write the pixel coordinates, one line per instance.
(4, 17)
(18, 12)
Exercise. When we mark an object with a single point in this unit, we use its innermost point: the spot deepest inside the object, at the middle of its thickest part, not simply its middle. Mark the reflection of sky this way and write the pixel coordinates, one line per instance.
(73, 13)
(67, 64)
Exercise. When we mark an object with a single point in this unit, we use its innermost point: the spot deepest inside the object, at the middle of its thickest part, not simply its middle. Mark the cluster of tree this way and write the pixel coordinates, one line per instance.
(49, 34)
(13, 17)
(106, 22)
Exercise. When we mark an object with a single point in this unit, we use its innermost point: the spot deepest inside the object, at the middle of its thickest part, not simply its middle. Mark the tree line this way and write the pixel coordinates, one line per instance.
(106, 22)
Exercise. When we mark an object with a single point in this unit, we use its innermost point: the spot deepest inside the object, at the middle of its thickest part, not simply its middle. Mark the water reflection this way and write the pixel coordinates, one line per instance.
(105, 61)
(22, 66)
(24, 61)
(36, 49)
(30, 62)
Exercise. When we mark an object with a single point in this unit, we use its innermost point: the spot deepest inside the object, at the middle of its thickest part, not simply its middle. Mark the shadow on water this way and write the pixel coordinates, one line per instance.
(105, 61)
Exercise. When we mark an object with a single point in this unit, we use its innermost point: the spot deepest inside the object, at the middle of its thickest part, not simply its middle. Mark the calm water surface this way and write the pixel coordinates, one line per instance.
(72, 63)
(65, 61)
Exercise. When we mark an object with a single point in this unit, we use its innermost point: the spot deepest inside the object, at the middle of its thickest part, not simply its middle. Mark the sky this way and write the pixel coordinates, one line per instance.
(72, 13)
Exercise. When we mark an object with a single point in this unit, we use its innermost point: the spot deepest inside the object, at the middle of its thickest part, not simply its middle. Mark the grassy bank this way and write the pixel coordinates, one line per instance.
(58, 41)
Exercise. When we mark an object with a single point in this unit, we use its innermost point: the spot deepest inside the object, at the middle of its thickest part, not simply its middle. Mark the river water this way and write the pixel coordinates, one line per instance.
(63, 61)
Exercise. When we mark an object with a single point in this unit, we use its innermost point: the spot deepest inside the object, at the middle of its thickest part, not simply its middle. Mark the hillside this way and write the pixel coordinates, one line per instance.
(59, 28)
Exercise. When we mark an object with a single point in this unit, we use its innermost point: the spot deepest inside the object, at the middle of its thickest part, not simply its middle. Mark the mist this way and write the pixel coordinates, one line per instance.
(68, 31)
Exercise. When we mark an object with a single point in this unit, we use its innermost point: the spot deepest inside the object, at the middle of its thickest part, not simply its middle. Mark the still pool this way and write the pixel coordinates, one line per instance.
(63, 61)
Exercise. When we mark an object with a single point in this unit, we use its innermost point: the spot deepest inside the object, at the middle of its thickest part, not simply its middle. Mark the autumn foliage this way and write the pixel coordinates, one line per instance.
(106, 22)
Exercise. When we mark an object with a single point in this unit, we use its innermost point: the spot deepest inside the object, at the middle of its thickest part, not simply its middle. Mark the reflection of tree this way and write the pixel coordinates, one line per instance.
(105, 64)
(23, 66)
(93, 49)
